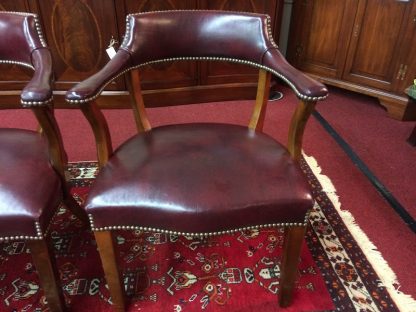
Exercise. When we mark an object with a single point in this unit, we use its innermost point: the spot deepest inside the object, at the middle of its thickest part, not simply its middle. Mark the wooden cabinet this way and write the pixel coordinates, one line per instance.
(360, 45)
(79, 31)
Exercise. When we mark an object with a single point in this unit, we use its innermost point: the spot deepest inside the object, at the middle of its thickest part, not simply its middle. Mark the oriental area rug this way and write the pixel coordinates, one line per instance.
(163, 272)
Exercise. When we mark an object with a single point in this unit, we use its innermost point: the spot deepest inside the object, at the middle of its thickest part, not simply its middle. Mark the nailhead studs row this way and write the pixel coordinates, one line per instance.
(301, 96)
(200, 235)
(38, 236)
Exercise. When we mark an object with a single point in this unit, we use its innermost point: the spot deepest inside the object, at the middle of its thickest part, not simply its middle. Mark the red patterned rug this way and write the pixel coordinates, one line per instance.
(163, 272)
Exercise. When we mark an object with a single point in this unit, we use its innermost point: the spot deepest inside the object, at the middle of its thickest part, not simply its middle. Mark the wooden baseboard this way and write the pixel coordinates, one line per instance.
(398, 106)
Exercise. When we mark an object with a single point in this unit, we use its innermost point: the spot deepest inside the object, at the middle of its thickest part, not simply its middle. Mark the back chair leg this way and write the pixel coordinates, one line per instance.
(113, 277)
(292, 247)
(76, 209)
(48, 274)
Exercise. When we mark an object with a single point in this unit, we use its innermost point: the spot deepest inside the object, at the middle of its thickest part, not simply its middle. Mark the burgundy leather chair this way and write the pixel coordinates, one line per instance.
(32, 179)
(199, 179)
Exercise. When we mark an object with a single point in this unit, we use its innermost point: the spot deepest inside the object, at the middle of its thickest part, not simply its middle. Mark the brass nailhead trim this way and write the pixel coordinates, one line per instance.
(269, 33)
(36, 103)
(39, 236)
(301, 96)
(43, 43)
(200, 235)
(17, 63)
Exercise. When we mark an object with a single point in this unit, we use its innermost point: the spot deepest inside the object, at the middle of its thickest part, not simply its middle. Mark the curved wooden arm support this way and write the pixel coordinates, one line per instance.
(50, 130)
(297, 127)
(99, 126)
(140, 115)
(262, 97)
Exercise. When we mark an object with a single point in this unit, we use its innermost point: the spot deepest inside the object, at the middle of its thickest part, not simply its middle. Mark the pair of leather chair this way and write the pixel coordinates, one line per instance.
(195, 179)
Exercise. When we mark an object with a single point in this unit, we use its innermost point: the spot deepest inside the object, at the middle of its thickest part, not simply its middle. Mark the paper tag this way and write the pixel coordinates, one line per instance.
(111, 52)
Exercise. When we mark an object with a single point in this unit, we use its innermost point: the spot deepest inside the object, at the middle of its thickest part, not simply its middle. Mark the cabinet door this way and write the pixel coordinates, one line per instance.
(13, 77)
(374, 50)
(169, 74)
(78, 33)
(406, 67)
(319, 37)
(221, 72)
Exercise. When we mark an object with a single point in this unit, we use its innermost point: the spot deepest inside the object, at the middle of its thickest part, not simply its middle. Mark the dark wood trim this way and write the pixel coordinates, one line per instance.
(397, 106)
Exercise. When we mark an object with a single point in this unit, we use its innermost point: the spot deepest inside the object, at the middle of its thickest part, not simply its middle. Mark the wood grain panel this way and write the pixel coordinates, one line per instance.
(78, 32)
(374, 47)
(164, 75)
(407, 59)
(320, 31)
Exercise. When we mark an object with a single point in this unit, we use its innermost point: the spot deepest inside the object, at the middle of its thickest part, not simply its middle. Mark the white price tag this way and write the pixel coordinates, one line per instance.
(111, 52)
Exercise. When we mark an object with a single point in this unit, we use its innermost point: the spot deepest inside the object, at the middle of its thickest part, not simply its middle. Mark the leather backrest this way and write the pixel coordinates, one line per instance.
(172, 34)
(20, 35)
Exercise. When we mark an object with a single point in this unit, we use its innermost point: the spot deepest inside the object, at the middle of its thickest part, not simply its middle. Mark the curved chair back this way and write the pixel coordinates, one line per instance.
(156, 36)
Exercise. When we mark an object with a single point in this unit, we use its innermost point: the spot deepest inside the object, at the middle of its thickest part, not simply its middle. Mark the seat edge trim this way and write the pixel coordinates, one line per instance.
(201, 234)
(39, 235)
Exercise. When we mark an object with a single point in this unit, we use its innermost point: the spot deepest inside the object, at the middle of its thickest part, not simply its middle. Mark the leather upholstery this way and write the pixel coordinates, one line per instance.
(156, 36)
(30, 189)
(199, 178)
(22, 43)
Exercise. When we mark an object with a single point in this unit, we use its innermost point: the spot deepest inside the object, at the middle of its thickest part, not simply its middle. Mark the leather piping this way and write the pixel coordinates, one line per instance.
(200, 235)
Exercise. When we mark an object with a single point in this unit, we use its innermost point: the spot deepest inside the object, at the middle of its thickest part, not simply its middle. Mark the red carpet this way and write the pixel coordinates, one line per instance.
(173, 273)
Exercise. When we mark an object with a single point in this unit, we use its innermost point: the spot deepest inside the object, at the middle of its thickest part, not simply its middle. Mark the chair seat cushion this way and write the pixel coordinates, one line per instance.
(199, 178)
(30, 190)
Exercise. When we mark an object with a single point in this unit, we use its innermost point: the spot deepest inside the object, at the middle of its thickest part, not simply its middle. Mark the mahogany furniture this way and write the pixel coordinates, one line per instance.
(32, 179)
(198, 179)
(79, 31)
(366, 46)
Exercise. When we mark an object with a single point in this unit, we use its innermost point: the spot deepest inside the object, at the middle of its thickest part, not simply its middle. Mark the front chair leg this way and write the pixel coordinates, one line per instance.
(292, 247)
(48, 274)
(113, 277)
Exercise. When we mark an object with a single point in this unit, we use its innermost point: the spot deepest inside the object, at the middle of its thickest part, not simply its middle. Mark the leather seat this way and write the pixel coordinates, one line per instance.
(28, 183)
(196, 175)
(32, 165)
(198, 179)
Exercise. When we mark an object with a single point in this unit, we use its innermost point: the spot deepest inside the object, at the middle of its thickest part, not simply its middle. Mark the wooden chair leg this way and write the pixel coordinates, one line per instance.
(76, 209)
(106, 249)
(292, 247)
(48, 274)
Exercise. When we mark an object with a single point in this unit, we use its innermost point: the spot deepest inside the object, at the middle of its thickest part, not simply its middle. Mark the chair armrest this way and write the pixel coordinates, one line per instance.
(38, 91)
(305, 87)
(89, 89)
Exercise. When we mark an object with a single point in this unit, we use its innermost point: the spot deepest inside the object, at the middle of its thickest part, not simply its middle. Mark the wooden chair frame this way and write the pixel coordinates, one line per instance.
(293, 235)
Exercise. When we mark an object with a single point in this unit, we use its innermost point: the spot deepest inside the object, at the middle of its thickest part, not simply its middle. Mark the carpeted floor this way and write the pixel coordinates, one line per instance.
(163, 272)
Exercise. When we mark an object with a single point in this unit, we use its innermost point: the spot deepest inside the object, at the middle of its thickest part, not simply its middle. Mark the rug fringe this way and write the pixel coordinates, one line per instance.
(388, 278)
